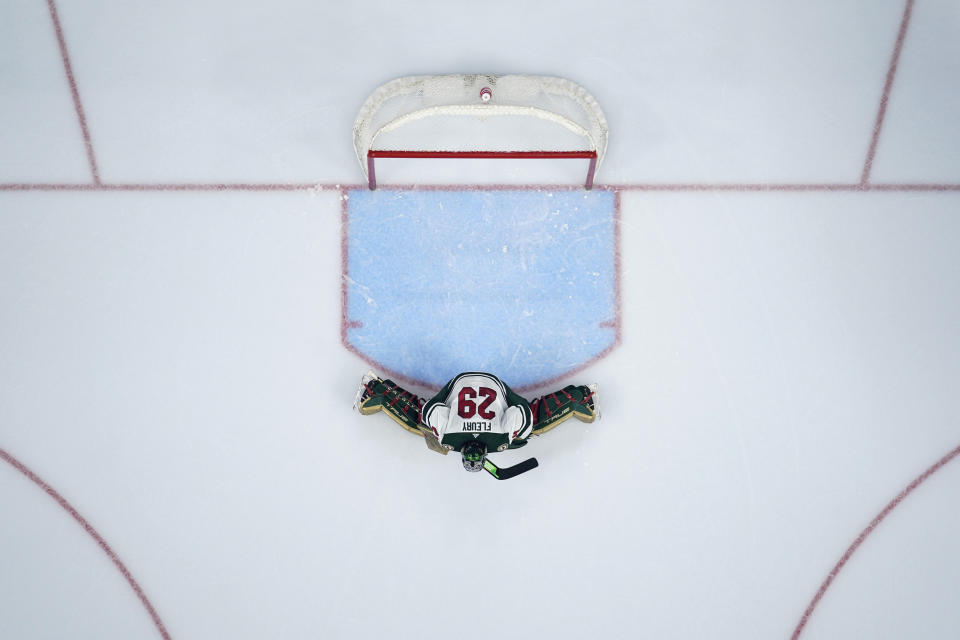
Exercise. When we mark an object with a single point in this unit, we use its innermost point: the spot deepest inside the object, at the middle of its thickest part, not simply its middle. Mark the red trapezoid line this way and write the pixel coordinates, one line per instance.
(74, 91)
(885, 97)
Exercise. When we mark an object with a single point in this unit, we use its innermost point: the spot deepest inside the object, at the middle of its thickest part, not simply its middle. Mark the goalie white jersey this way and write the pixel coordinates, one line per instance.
(477, 405)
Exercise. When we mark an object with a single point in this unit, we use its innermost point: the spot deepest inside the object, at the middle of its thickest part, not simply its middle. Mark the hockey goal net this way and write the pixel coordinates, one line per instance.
(480, 117)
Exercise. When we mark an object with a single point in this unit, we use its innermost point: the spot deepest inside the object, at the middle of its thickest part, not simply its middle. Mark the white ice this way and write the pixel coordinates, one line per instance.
(171, 364)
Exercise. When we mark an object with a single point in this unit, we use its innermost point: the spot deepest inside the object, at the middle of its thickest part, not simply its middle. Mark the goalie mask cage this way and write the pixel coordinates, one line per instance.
(480, 116)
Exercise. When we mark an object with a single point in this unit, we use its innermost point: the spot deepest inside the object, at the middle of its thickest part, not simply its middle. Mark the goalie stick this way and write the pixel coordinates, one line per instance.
(506, 473)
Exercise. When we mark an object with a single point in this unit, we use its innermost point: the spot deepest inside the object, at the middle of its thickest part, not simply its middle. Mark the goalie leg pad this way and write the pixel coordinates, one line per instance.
(571, 401)
(385, 395)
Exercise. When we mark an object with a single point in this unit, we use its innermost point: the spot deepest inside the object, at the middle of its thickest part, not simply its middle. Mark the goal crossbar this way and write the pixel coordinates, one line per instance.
(372, 154)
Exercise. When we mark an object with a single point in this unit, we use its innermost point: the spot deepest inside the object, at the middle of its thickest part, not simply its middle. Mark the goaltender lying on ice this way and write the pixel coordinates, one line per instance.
(476, 413)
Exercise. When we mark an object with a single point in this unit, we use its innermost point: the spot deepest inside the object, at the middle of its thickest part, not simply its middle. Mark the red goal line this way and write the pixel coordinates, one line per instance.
(483, 155)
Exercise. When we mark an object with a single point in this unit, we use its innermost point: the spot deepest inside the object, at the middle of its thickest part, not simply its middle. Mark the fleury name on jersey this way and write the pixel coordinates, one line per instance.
(477, 426)
(503, 415)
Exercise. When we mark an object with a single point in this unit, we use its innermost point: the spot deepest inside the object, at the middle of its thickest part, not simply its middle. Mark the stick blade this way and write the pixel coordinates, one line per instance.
(509, 472)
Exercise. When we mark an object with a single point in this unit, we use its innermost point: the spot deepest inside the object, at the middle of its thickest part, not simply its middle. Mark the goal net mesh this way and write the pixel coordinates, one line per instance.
(479, 113)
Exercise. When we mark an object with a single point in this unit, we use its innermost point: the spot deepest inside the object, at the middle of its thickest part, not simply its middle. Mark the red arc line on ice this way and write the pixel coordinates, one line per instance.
(923, 477)
(106, 548)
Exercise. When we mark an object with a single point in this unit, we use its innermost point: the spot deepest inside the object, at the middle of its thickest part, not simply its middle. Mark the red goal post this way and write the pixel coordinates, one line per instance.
(546, 117)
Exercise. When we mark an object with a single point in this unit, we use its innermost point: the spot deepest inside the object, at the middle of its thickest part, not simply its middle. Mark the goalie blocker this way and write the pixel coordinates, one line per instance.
(476, 414)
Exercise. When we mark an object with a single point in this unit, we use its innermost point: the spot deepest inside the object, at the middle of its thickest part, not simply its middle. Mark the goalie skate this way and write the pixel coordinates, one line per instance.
(363, 391)
(593, 400)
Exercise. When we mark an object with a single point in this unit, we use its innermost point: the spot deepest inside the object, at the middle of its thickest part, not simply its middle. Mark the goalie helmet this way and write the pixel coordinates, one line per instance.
(473, 454)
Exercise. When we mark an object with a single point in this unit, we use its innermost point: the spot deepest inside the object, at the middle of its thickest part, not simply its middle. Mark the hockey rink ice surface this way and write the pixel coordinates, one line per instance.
(773, 326)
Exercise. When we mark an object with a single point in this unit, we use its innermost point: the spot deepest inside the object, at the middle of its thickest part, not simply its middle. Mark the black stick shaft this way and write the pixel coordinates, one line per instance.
(506, 473)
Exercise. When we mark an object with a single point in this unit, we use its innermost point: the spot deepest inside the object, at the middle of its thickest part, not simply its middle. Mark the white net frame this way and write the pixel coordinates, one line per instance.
(408, 100)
